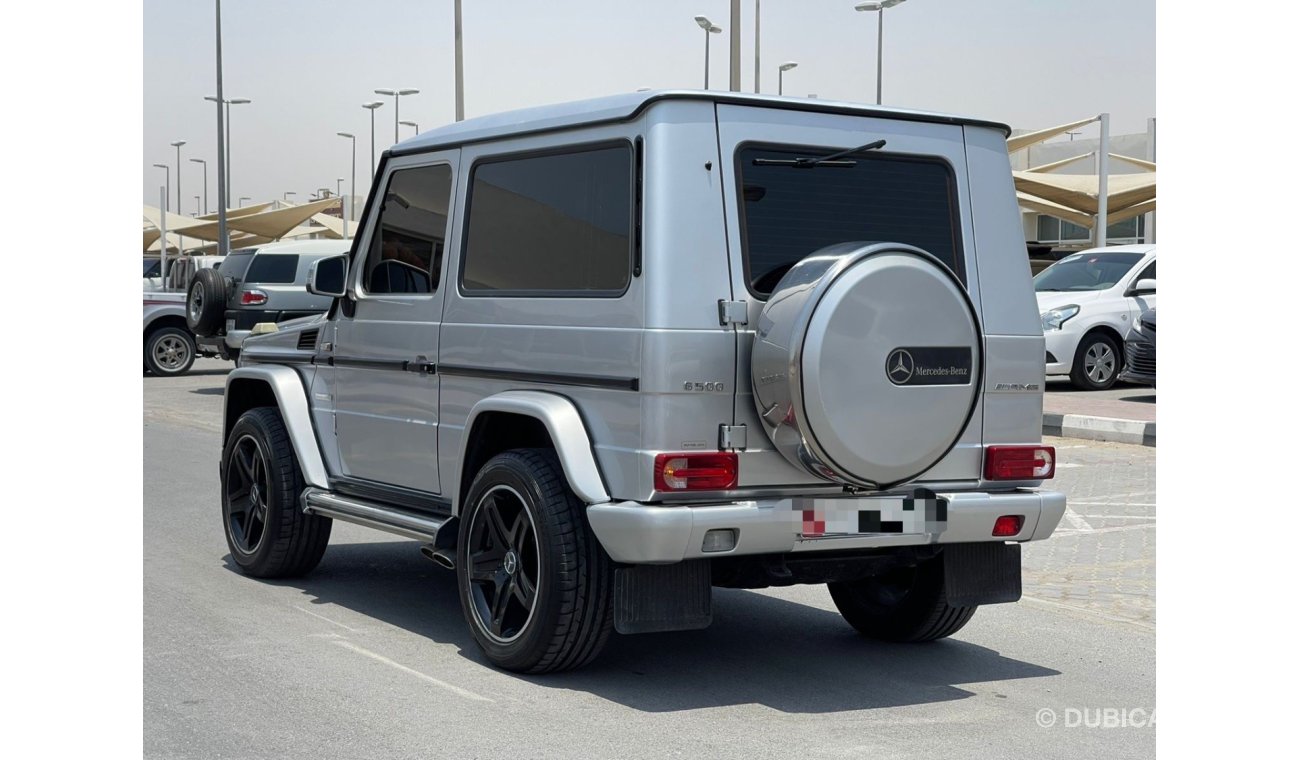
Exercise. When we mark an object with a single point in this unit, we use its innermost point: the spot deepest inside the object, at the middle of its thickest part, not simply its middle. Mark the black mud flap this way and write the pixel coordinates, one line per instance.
(984, 573)
(655, 598)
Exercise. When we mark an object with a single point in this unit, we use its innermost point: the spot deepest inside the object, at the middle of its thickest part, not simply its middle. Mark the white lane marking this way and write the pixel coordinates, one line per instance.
(327, 620)
(1112, 503)
(1067, 465)
(1078, 523)
(1086, 611)
(1094, 531)
(379, 657)
(1119, 517)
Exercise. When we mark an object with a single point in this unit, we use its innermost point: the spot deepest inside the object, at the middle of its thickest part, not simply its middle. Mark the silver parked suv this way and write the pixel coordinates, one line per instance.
(601, 357)
(252, 286)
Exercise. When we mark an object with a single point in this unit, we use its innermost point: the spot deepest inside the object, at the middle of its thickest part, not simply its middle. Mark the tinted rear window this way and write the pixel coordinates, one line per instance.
(273, 269)
(789, 213)
(556, 224)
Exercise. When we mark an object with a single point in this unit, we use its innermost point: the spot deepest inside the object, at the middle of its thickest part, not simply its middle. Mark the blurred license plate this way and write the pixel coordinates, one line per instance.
(819, 518)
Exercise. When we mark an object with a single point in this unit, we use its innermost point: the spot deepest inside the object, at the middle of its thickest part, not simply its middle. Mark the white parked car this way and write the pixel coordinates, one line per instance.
(1089, 300)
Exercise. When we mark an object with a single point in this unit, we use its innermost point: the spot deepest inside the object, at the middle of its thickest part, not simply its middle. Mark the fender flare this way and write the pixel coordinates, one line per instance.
(291, 398)
(567, 430)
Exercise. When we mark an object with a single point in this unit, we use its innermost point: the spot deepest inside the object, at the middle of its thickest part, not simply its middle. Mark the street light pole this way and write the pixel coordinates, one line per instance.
(412, 125)
(205, 181)
(879, 7)
(757, 38)
(735, 46)
(223, 237)
(460, 69)
(287, 193)
(780, 75)
(243, 198)
(397, 94)
(177, 145)
(167, 201)
(709, 28)
(352, 189)
(196, 205)
(371, 106)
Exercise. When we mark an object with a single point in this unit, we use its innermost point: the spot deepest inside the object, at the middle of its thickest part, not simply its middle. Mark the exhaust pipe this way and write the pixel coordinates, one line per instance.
(441, 557)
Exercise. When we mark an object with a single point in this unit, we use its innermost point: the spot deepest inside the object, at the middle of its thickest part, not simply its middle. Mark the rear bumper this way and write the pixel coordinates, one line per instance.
(649, 534)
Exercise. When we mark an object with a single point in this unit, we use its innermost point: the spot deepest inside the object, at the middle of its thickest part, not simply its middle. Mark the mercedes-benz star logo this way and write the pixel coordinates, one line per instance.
(899, 366)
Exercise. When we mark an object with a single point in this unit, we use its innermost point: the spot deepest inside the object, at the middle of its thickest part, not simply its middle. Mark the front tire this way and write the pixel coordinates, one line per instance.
(907, 604)
(1097, 363)
(169, 351)
(268, 534)
(535, 584)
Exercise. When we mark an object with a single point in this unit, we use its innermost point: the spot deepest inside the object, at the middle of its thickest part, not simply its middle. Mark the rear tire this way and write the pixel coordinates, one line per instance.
(205, 304)
(169, 351)
(536, 587)
(1097, 362)
(268, 534)
(904, 605)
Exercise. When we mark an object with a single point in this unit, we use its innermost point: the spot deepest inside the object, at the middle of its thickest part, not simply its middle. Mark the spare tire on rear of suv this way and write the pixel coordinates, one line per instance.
(867, 363)
(205, 307)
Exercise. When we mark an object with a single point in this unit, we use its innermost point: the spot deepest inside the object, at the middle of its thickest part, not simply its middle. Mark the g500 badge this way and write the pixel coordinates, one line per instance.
(929, 365)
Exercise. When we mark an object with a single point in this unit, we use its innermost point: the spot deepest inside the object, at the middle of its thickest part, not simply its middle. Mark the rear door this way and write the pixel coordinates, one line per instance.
(912, 190)
(386, 344)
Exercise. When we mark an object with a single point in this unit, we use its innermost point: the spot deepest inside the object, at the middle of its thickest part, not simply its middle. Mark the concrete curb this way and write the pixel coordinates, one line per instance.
(1100, 428)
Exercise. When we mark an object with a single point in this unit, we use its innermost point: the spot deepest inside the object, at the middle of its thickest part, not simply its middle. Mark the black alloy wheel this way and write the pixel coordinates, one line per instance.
(504, 571)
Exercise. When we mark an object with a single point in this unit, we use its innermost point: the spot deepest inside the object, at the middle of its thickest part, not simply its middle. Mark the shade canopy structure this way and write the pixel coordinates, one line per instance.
(1079, 191)
(251, 225)
(1077, 198)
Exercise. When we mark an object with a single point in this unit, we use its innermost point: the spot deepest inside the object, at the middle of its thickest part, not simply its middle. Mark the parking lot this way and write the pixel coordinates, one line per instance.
(369, 655)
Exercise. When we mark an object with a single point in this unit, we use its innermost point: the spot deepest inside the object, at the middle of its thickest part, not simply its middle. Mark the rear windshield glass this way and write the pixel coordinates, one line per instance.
(789, 212)
(236, 263)
(1086, 271)
(273, 268)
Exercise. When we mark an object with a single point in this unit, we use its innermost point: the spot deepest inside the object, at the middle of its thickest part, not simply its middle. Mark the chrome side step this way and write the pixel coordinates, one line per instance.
(371, 515)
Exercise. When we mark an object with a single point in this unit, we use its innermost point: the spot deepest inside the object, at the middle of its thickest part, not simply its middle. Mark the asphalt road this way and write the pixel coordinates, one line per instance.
(369, 655)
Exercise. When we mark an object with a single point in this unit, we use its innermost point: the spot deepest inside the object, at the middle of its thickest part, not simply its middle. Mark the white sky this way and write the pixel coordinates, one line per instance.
(308, 65)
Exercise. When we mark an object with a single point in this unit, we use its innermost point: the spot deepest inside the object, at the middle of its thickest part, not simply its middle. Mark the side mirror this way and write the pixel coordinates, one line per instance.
(328, 277)
(1145, 287)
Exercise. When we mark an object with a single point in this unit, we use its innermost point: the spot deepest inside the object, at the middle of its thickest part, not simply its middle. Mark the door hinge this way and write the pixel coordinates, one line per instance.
(733, 312)
(731, 437)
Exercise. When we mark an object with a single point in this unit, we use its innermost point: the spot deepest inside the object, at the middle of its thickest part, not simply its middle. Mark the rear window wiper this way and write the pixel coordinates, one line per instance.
(833, 160)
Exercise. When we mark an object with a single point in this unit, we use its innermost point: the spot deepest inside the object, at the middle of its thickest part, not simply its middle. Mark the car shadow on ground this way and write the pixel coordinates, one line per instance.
(217, 391)
(1140, 398)
(760, 650)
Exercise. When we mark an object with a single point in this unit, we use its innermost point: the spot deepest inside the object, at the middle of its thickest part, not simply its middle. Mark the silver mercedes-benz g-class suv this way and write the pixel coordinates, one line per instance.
(601, 357)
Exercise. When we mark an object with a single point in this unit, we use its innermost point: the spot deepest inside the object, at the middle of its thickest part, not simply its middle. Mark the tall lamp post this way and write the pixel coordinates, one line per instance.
(226, 137)
(196, 205)
(371, 106)
(780, 75)
(412, 125)
(223, 236)
(205, 181)
(396, 95)
(167, 198)
(352, 189)
(460, 68)
(177, 145)
(879, 7)
(243, 198)
(709, 28)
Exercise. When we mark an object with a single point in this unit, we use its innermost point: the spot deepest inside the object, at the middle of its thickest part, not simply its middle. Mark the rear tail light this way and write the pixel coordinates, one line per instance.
(1019, 462)
(711, 471)
(1008, 525)
(252, 298)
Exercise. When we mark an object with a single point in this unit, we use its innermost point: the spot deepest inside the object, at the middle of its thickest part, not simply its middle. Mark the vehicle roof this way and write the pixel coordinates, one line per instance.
(626, 106)
(305, 246)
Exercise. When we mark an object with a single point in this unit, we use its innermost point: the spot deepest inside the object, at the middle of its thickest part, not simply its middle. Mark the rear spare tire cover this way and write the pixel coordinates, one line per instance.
(867, 363)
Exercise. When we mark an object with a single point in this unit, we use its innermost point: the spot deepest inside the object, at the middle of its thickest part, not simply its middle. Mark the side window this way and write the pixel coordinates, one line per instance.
(558, 224)
(406, 249)
(1147, 274)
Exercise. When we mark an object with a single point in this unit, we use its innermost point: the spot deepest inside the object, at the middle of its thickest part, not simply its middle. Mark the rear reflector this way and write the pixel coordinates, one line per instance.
(252, 298)
(1019, 462)
(712, 471)
(1008, 525)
